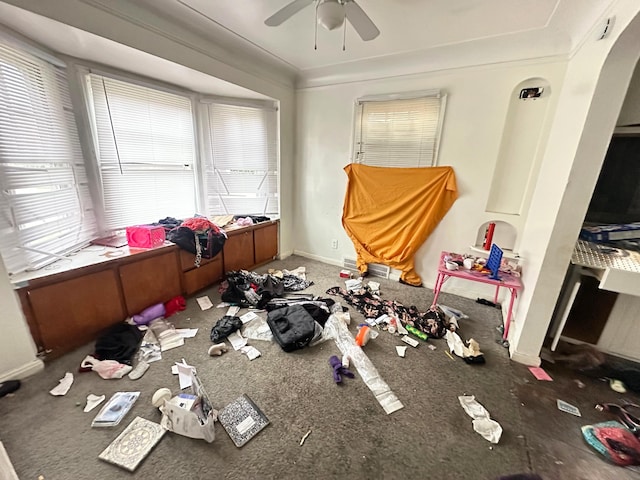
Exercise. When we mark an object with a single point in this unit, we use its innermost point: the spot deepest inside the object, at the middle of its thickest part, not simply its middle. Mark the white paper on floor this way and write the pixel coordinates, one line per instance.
(185, 373)
(250, 352)
(402, 351)
(247, 317)
(93, 401)
(63, 387)
(204, 302)
(482, 423)
(237, 340)
(187, 332)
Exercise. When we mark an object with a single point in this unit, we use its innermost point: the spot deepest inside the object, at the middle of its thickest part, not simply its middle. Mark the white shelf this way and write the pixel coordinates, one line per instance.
(506, 253)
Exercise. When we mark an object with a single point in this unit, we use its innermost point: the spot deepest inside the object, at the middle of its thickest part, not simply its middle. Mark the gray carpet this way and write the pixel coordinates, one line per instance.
(351, 435)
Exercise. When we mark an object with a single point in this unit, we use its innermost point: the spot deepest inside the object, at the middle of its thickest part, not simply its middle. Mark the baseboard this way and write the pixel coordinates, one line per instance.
(7, 472)
(23, 371)
(283, 255)
(528, 360)
(319, 258)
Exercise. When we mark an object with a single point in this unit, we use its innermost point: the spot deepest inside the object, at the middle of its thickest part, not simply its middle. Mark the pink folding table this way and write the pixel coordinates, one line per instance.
(506, 280)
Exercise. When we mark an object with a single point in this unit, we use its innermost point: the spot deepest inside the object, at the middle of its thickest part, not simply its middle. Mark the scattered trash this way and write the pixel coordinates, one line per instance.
(417, 333)
(345, 274)
(402, 351)
(237, 340)
(204, 303)
(305, 437)
(613, 441)
(107, 369)
(432, 347)
(217, 349)
(482, 423)
(258, 330)
(353, 284)
(374, 286)
(247, 317)
(410, 341)
(160, 396)
(449, 355)
(540, 374)
(187, 332)
(365, 333)
(115, 409)
(617, 386)
(93, 401)
(567, 407)
(345, 361)
(339, 370)
(579, 383)
(251, 352)
(63, 387)
(139, 370)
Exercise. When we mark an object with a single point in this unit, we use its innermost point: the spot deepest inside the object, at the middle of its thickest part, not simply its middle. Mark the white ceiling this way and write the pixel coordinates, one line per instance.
(413, 32)
(416, 36)
(77, 43)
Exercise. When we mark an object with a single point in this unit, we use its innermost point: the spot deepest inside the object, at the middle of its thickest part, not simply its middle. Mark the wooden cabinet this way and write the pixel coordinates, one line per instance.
(238, 251)
(249, 247)
(68, 309)
(150, 281)
(196, 278)
(73, 312)
(265, 242)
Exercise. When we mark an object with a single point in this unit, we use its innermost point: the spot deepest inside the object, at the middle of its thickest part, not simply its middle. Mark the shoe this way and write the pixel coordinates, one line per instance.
(139, 370)
(8, 387)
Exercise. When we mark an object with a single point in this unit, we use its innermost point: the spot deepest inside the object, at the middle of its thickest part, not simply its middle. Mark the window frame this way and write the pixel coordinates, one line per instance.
(358, 114)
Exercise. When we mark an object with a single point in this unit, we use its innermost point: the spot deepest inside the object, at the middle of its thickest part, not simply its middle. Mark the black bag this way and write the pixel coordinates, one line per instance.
(292, 327)
(211, 242)
(225, 327)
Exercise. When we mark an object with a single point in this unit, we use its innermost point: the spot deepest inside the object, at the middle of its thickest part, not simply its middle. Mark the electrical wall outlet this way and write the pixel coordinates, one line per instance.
(334, 243)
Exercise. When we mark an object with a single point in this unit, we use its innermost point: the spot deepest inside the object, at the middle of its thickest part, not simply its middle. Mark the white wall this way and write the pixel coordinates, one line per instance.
(476, 110)
(590, 102)
(17, 350)
(630, 113)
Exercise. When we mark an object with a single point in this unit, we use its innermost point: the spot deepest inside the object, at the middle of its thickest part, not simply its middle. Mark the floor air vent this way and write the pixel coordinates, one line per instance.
(375, 269)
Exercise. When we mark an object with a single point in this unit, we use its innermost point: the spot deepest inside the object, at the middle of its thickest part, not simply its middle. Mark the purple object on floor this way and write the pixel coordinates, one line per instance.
(148, 314)
(339, 370)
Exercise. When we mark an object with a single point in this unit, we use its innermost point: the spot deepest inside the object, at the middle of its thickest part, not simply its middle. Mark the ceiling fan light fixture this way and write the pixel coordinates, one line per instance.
(330, 14)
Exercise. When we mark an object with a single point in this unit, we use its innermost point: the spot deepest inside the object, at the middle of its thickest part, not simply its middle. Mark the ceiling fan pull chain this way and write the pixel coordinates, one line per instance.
(344, 34)
(315, 34)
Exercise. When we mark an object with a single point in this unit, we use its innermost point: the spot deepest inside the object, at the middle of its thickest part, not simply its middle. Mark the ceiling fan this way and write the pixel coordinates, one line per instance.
(330, 14)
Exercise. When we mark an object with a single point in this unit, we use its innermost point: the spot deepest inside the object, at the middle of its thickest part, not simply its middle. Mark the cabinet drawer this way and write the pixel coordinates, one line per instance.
(202, 277)
(266, 243)
(238, 251)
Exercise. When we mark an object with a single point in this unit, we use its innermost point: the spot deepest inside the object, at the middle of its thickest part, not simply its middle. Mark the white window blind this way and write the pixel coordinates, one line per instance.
(398, 132)
(45, 206)
(145, 150)
(242, 166)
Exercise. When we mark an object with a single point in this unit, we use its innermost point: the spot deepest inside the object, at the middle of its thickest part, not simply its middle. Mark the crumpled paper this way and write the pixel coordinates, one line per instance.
(482, 423)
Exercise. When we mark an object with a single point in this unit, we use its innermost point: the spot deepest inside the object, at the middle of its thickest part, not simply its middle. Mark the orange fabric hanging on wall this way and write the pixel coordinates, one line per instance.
(389, 212)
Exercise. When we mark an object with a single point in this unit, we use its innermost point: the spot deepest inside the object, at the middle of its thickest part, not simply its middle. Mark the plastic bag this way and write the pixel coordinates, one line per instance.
(257, 329)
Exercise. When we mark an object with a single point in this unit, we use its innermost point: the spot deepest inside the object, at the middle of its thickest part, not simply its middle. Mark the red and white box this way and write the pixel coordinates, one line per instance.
(145, 236)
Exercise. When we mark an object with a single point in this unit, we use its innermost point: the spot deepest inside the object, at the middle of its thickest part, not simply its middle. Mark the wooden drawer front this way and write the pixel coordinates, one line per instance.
(202, 277)
(150, 281)
(188, 259)
(73, 312)
(265, 243)
(238, 252)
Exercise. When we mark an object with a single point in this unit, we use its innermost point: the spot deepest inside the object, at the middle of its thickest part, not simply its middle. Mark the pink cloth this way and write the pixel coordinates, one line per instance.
(107, 369)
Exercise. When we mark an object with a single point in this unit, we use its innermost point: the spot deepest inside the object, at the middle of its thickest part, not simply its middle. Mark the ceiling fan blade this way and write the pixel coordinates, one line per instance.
(286, 12)
(360, 21)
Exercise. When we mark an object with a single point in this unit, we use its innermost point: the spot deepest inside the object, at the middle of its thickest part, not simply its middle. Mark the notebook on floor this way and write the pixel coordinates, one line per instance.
(242, 419)
(132, 446)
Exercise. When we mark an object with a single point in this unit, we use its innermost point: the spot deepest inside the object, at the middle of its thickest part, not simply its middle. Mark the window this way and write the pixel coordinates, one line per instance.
(45, 205)
(398, 132)
(241, 168)
(145, 151)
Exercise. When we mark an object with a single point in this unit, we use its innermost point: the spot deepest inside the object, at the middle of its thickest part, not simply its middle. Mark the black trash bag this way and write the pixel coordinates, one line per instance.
(211, 242)
(225, 327)
(119, 343)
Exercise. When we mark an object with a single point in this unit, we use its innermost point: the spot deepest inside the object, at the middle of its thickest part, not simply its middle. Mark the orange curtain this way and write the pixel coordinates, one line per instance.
(389, 212)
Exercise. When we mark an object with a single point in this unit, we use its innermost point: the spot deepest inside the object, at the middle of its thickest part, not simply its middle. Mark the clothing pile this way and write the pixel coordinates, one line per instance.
(251, 289)
(433, 322)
